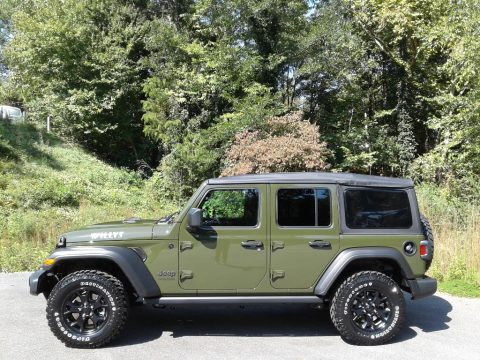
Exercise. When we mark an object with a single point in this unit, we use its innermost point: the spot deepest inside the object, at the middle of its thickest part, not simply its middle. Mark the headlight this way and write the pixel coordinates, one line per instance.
(62, 242)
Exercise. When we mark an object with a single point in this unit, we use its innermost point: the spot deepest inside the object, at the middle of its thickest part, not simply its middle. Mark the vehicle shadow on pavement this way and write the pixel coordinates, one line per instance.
(148, 324)
(429, 315)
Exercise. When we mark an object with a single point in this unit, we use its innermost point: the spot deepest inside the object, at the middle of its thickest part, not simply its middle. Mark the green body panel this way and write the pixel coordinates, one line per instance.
(114, 231)
(396, 241)
(159, 241)
(294, 263)
(213, 261)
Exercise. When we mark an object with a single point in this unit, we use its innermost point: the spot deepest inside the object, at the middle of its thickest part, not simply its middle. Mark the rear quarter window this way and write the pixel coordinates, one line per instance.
(377, 209)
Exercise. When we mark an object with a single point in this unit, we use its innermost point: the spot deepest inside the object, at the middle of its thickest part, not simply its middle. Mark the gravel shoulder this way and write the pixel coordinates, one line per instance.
(439, 327)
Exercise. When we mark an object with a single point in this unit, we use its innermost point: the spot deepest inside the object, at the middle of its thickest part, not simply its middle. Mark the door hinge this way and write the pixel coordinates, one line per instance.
(184, 245)
(277, 274)
(277, 245)
(186, 274)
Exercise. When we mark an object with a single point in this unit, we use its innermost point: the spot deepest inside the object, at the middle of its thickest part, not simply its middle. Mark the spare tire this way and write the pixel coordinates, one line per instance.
(428, 233)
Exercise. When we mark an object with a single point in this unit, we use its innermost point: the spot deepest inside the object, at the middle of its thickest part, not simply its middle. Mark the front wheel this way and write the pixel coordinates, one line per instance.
(368, 308)
(87, 309)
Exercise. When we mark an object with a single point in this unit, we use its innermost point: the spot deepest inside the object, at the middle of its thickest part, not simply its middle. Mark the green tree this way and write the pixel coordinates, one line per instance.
(388, 83)
(219, 70)
(371, 71)
(455, 158)
(81, 63)
(6, 9)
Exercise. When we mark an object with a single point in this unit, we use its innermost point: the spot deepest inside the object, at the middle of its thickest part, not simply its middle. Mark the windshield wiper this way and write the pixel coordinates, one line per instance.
(169, 218)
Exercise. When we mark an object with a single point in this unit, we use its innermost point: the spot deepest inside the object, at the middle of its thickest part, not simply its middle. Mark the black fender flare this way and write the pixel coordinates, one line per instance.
(342, 260)
(126, 259)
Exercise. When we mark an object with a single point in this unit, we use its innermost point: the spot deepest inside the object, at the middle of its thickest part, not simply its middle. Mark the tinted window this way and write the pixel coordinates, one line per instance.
(230, 208)
(297, 207)
(377, 209)
(323, 207)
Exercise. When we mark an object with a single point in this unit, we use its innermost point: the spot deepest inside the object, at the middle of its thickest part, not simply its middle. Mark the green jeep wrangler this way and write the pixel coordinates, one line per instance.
(348, 242)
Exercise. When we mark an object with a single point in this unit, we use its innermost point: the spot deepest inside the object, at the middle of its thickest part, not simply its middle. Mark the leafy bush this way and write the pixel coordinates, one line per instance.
(285, 143)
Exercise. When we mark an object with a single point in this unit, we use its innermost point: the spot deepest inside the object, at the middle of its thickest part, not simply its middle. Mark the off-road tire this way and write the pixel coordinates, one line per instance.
(114, 300)
(428, 233)
(346, 299)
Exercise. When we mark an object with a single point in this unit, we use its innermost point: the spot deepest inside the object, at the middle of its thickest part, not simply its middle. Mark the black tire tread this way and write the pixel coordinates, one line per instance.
(428, 233)
(336, 305)
(122, 306)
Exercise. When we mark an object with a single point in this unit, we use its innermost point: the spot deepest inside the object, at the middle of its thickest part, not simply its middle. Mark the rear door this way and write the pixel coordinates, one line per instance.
(304, 233)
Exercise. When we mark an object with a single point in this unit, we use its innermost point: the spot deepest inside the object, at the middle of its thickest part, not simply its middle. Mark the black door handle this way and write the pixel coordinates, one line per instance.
(252, 244)
(320, 244)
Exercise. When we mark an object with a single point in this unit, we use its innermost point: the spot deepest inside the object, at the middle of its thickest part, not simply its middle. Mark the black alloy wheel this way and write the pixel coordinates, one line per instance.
(85, 311)
(371, 310)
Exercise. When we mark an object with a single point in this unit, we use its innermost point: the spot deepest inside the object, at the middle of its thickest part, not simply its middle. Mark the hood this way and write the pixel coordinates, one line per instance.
(126, 230)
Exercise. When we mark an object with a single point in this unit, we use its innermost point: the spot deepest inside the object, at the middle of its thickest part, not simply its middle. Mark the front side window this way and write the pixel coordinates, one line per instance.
(377, 209)
(236, 207)
(303, 207)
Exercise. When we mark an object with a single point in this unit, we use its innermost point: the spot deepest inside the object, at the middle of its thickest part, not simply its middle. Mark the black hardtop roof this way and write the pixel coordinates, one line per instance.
(314, 177)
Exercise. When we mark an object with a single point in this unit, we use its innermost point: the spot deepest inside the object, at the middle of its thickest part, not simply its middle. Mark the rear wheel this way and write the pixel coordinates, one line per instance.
(368, 308)
(87, 309)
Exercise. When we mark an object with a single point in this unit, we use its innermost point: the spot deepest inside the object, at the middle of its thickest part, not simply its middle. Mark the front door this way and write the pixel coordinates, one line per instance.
(304, 233)
(229, 250)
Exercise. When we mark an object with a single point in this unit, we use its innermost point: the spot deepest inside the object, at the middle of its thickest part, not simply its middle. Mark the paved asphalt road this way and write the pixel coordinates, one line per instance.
(440, 327)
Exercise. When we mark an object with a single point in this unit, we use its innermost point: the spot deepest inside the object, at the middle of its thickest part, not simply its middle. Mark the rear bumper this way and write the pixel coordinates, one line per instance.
(422, 287)
(35, 280)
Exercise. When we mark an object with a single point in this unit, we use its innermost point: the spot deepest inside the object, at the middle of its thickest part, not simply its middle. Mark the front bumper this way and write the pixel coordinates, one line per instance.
(422, 287)
(35, 281)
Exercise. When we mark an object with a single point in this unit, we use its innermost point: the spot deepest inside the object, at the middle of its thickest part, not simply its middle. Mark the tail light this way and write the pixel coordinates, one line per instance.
(426, 250)
(423, 250)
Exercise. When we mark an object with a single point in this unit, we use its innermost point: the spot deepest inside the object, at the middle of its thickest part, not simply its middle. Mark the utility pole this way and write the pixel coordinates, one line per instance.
(48, 124)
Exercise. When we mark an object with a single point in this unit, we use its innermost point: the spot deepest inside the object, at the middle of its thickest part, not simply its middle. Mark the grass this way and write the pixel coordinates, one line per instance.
(456, 228)
(48, 186)
(460, 288)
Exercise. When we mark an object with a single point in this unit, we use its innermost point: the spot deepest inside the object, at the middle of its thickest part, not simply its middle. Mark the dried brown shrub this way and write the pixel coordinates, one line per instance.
(287, 143)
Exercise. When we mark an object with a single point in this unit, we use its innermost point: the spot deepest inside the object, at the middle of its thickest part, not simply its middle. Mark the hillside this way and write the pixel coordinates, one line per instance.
(48, 186)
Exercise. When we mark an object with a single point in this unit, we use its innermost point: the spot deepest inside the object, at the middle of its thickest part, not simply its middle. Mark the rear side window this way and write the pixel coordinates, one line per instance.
(377, 209)
(303, 207)
(236, 207)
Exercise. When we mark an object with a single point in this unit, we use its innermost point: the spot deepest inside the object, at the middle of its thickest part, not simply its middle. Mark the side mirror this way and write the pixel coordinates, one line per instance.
(194, 219)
